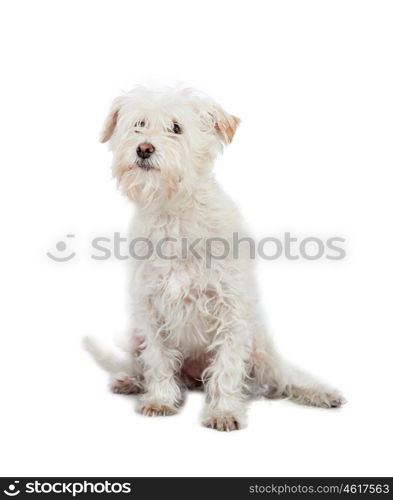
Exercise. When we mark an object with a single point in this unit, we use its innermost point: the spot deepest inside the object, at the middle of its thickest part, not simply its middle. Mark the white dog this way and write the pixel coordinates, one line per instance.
(196, 316)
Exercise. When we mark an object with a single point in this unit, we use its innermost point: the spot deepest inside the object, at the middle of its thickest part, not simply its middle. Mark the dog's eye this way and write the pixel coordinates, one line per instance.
(176, 129)
(139, 125)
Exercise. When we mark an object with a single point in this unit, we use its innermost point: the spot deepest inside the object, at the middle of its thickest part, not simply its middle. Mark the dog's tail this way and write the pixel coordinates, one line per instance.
(276, 378)
(110, 361)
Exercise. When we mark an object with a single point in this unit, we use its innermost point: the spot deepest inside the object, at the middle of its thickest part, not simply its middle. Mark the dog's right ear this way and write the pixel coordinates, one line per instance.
(111, 121)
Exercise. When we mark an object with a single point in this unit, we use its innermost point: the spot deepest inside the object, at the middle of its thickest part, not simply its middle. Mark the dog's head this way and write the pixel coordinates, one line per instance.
(164, 141)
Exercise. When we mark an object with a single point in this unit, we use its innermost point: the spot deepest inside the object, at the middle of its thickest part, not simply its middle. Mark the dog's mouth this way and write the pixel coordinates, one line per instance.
(145, 165)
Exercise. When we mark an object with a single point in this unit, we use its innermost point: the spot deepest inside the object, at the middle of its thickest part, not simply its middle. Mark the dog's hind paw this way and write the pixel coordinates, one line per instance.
(332, 400)
(317, 397)
(126, 385)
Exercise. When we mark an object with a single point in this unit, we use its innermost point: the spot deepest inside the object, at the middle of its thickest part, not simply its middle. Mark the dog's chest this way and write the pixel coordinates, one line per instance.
(175, 286)
(174, 267)
(170, 281)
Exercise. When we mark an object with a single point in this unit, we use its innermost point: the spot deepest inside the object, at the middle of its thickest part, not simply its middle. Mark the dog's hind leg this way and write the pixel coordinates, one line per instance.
(281, 380)
(125, 367)
(130, 382)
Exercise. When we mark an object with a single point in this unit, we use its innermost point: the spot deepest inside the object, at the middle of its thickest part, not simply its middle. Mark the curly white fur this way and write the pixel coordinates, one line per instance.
(197, 318)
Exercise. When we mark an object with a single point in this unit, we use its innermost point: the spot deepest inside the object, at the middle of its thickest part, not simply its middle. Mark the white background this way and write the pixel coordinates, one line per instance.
(312, 82)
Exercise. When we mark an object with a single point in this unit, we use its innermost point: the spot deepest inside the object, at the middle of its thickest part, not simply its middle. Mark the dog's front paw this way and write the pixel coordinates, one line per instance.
(225, 422)
(156, 410)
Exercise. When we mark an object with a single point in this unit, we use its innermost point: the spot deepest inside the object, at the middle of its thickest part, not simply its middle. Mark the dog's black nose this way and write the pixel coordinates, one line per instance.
(145, 150)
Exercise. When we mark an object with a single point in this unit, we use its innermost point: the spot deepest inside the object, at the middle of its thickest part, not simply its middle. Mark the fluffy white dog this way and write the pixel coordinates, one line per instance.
(196, 315)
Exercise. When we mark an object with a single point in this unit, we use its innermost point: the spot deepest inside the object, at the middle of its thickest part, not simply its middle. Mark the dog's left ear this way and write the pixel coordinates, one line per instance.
(110, 121)
(225, 124)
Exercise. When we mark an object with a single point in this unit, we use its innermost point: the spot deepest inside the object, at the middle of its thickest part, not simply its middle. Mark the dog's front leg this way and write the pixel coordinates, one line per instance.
(226, 381)
(160, 367)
